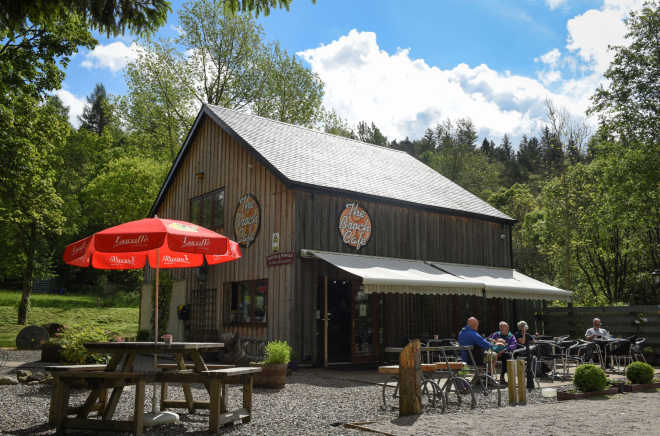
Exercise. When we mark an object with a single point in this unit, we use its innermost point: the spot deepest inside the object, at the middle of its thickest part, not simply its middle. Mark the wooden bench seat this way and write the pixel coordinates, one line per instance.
(394, 369)
(452, 365)
(175, 367)
(232, 372)
(60, 368)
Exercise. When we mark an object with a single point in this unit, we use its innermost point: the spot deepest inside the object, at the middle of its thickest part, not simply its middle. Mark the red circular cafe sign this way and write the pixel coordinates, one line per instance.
(355, 226)
(247, 220)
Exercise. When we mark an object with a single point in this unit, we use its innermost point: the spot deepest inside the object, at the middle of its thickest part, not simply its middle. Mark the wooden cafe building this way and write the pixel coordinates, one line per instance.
(347, 247)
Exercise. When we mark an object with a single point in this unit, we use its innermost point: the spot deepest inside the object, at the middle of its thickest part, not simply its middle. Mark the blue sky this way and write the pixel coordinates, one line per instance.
(408, 65)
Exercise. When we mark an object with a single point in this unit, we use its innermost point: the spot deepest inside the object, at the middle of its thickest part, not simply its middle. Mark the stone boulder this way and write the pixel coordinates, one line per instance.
(37, 376)
(23, 373)
(7, 380)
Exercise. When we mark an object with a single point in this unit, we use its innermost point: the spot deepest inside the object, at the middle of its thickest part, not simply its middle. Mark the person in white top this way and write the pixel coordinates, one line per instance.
(595, 332)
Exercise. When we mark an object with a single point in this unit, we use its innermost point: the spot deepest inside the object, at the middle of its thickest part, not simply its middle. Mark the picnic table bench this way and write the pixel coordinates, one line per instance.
(101, 378)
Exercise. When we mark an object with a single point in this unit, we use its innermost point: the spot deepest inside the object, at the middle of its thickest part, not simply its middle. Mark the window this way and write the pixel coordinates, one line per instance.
(245, 302)
(208, 210)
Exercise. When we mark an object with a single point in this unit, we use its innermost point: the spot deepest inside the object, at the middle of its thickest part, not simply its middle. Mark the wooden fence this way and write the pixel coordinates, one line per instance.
(619, 321)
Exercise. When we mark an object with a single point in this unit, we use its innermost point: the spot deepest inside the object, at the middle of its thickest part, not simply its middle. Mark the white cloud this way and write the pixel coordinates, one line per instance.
(177, 29)
(590, 34)
(554, 3)
(404, 96)
(76, 105)
(551, 58)
(113, 56)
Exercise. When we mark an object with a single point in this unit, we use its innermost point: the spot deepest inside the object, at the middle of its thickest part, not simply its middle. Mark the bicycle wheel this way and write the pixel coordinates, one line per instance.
(457, 388)
(432, 395)
(487, 391)
(390, 391)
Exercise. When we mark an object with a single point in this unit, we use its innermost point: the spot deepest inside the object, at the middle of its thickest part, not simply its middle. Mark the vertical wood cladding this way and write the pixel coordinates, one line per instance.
(397, 232)
(225, 165)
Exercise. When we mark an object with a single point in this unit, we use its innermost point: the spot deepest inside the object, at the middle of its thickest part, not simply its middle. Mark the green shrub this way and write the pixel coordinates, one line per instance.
(640, 373)
(143, 335)
(72, 337)
(277, 352)
(647, 351)
(589, 378)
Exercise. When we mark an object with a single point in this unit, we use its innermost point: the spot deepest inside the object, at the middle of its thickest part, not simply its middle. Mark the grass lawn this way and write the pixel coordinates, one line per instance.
(75, 309)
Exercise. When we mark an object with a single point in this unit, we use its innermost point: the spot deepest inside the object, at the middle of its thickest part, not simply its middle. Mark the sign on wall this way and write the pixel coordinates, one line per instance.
(247, 220)
(279, 259)
(355, 226)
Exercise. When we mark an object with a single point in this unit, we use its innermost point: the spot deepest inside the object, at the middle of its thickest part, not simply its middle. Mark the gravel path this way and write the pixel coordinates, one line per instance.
(310, 405)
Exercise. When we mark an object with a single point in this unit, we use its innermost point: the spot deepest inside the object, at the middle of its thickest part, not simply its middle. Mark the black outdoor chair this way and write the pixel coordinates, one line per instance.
(551, 353)
(636, 350)
(622, 352)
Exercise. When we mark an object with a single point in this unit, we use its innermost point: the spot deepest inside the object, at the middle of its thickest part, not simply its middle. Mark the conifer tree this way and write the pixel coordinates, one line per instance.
(96, 116)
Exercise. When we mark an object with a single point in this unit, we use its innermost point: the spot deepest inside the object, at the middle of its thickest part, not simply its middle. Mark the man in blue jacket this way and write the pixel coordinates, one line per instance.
(469, 336)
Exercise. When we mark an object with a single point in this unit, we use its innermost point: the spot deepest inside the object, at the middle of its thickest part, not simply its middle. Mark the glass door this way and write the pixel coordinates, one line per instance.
(366, 336)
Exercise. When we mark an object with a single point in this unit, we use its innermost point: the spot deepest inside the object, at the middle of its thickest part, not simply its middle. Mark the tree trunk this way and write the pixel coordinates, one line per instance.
(410, 380)
(27, 275)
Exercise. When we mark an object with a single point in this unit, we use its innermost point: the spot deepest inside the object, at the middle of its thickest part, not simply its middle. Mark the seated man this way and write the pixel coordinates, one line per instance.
(469, 336)
(595, 332)
(505, 344)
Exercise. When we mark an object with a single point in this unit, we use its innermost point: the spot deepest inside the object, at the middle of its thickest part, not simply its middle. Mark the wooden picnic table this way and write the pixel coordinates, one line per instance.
(100, 380)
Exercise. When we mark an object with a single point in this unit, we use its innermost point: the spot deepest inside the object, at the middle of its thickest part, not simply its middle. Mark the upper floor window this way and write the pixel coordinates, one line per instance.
(208, 210)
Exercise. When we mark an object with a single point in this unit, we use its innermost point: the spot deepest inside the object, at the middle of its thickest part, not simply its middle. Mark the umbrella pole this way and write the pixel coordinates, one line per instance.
(154, 401)
(156, 416)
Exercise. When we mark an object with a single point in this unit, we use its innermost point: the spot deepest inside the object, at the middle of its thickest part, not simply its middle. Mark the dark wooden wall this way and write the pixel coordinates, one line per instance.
(397, 232)
(225, 164)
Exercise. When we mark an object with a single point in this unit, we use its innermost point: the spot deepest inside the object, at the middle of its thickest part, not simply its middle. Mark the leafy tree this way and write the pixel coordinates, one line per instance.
(628, 104)
(111, 17)
(370, 134)
(335, 125)
(256, 6)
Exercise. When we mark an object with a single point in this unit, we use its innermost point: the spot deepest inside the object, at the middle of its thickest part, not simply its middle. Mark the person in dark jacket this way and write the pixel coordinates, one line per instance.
(469, 336)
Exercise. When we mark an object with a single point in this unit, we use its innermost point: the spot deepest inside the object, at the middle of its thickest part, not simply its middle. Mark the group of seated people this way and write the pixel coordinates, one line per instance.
(497, 346)
(501, 344)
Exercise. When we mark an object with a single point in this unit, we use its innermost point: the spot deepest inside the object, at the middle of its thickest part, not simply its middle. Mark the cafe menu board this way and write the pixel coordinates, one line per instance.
(247, 220)
(355, 226)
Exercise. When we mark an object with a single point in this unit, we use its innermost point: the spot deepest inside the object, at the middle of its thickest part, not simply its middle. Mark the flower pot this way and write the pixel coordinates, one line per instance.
(639, 388)
(293, 365)
(650, 358)
(272, 376)
(581, 395)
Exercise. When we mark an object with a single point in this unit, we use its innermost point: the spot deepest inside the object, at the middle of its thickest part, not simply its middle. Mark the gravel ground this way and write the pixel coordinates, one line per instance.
(310, 405)
(23, 355)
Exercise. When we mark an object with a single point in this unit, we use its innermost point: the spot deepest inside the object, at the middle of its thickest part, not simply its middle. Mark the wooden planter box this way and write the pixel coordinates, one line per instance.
(272, 376)
(582, 395)
(639, 388)
(51, 353)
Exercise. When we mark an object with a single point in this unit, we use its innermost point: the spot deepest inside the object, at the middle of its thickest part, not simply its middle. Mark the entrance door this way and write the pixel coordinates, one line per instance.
(366, 326)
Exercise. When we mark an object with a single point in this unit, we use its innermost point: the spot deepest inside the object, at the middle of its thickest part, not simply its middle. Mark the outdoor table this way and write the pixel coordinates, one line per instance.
(106, 379)
(604, 344)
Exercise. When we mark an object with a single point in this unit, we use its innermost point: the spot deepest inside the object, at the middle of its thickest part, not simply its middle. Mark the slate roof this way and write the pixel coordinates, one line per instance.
(310, 160)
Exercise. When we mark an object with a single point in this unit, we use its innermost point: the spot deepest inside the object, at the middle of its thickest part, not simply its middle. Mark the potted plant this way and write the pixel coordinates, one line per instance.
(167, 338)
(294, 362)
(590, 380)
(641, 376)
(649, 355)
(274, 368)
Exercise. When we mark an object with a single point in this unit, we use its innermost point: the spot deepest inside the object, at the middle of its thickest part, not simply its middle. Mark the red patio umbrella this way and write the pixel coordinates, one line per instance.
(165, 243)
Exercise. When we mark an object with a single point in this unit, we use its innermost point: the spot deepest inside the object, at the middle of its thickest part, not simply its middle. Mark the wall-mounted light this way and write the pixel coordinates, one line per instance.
(503, 236)
(249, 166)
(200, 175)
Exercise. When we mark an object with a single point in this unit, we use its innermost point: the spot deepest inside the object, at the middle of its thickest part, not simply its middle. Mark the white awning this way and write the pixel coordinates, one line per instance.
(505, 283)
(387, 275)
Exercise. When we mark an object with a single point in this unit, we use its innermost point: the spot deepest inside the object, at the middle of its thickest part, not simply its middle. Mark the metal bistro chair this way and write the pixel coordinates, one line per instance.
(580, 354)
(622, 352)
(519, 354)
(637, 348)
(551, 353)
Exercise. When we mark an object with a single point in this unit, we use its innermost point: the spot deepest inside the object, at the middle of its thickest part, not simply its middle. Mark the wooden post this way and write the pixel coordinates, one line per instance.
(139, 407)
(247, 397)
(325, 322)
(410, 379)
(511, 369)
(214, 406)
(522, 388)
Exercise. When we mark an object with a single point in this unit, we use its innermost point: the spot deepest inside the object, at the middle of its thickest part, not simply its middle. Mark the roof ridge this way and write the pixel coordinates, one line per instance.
(308, 129)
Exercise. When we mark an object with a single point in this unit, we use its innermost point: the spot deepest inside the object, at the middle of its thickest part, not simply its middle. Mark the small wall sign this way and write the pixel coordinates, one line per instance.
(247, 220)
(275, 241)
(279, 259)
(355, 226)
